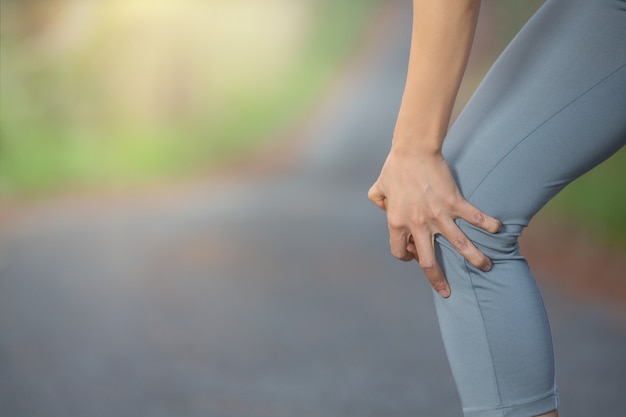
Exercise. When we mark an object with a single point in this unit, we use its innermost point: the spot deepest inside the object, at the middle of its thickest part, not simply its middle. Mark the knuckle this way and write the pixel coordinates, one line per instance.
(461, 244)
(438, 212)
(485, 222)
(420, 224)
(395, 224)
(478, 219)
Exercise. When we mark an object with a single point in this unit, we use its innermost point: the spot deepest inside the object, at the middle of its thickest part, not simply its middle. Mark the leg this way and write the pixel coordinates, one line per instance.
(551, 108)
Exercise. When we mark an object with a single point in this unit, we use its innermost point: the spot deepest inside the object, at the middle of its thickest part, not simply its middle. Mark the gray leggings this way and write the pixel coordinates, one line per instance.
(552, 107)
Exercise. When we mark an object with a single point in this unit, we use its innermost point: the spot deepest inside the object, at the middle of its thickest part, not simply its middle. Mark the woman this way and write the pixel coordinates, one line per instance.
(552, 107)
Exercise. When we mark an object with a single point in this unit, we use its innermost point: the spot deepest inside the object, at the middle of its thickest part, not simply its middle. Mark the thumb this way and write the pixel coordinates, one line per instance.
(377, 197)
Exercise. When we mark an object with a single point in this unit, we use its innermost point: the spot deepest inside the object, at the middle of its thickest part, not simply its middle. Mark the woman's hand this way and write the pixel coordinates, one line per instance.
(421, 199)
(415, 187)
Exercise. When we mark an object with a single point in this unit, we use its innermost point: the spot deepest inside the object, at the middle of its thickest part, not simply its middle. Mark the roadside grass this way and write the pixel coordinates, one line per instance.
(73, 120)
(596, 202)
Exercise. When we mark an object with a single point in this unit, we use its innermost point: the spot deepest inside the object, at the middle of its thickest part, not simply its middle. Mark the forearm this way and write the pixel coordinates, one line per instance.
(416, 187)
(441, 40)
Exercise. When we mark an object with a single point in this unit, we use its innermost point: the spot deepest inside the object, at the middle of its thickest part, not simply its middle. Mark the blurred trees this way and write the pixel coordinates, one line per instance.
(107, 92)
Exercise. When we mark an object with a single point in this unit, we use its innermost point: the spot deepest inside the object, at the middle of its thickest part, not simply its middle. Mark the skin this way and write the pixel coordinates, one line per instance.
(415, 186)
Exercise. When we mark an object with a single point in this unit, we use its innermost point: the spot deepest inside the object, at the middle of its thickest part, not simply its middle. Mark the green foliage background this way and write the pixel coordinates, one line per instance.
(56, 133)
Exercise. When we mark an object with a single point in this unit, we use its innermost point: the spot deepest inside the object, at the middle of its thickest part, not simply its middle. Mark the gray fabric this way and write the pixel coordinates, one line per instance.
(552, 107)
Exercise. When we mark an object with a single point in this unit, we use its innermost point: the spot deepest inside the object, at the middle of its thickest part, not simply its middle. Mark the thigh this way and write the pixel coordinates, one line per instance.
(552, 107)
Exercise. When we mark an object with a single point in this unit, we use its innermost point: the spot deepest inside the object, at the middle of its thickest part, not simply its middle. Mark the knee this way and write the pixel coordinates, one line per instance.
(503, 245)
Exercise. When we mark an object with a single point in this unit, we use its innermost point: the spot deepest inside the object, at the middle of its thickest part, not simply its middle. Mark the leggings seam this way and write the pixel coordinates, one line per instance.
(497, 164)
(482, 318)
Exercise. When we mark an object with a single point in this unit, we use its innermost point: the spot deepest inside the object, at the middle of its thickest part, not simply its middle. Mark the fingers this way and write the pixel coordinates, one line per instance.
(399, 241)
(472, 215)
(398, 235)
(461, 243)
(428, 263)
(404, 248)
(465, 247)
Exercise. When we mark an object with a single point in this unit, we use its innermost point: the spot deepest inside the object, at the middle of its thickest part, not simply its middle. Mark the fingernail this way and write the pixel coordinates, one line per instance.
(487, 267)
(444, 293)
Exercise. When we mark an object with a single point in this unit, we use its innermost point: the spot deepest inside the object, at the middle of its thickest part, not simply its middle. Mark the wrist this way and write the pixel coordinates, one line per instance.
(416, 142)
(418, 148)
(419, 132)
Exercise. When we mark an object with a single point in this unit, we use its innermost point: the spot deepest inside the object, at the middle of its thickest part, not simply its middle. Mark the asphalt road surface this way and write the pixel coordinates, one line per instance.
(254, 295)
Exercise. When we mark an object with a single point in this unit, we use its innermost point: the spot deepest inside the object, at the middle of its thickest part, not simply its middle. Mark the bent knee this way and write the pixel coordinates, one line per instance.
(503, 245)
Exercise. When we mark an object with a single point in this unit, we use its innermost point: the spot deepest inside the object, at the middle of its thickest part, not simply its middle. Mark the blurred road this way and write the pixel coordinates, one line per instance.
(256, 296)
